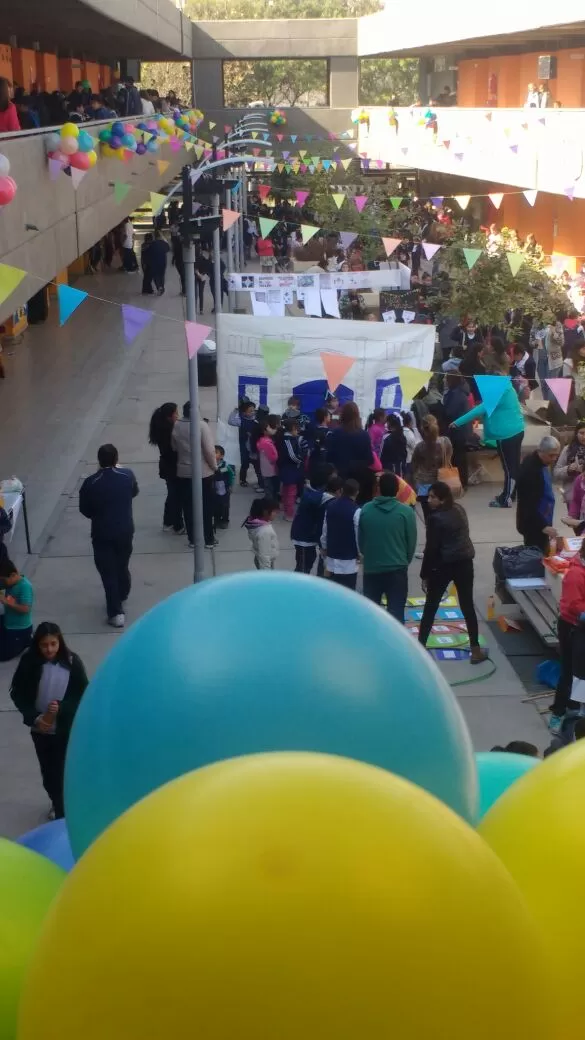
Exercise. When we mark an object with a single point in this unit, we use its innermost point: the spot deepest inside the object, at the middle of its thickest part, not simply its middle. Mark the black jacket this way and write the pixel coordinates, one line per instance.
(448, 540)
(345, 449)
(167, 463)
(105, 498)
(25, 685)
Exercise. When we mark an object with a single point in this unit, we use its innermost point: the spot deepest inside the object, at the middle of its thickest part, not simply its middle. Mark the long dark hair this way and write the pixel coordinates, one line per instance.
(575, 448)
(49, 628)
(4, 93)
(161, 423)
(350, 419)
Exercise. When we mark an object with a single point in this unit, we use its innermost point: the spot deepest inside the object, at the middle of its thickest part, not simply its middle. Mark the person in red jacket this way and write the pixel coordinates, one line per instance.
(571, 614)
(8, 114)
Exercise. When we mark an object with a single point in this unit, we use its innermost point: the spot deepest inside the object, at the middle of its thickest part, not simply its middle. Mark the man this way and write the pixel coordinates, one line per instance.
(105, 498)
(387, 540)
(535, 496)
(133, 101)
(129, 261)
(157, 257)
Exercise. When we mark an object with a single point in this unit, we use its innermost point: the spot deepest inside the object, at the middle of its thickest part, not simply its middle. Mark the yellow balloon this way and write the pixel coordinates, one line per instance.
(92, 156)
(107, 151)
(287, 896)
(536, 828)
(70, 130)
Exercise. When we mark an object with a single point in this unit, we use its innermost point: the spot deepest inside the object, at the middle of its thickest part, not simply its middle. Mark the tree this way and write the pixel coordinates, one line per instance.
(275, 82)
(167, 75)
(220, 10)
(382, 79)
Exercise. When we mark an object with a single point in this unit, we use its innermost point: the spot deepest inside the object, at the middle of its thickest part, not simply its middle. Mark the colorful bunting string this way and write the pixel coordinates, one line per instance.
(135, 319)
(336, 367)
(491, 390)
(10, 279)
(472, 256)
(69, 300)
(275, 353)
(195, 335)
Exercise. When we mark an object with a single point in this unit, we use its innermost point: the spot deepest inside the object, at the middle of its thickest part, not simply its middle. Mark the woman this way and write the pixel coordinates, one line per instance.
(8, 114)
(348, 443)
(394, 451)
(571, 462)
(505, 426)
(448, 557)
(146, 265)
(47, 687)
(427, 457)
(161, 429)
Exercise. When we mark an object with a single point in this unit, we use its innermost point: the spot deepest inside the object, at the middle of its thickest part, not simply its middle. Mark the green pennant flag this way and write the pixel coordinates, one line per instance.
(266, 226)
(157, 202)
(315, 159)
(339, 199)
(10, 279)
(471, 256)
(396, 202)
(120, 191)
(307, 232)
(275, 352)
(515, 261)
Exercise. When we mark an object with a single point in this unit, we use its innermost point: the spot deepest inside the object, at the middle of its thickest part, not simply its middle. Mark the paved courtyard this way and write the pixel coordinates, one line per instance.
(69, 390)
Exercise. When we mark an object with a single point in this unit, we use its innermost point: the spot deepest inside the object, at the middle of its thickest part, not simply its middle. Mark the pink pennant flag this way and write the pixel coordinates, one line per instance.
(336, 367)
(430, 249)
(570, 192)
(175, 144)
(390, 244)
(360, 201)
(77, 176)
(229, 217)
(196, 335)
(304, 169)
(55, 168)
(135, 320)
(264, 191)
(561, 388)
(302, 196)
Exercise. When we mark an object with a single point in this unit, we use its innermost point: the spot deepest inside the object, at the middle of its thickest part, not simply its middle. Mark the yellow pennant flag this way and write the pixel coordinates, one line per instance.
(280, 167)
(339, 199)
(189, 146)
(307, 232)
(157, 202)
(212, 126)
(302, 154)
(346, 163)
(10, 279)
(254, 134)
(162, 165)
(198, 150)
(411, 381)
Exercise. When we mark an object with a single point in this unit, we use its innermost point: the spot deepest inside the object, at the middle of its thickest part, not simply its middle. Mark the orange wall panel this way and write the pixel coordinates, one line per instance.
(70, 72)
(91, 72)
(47, 72)
(6, 62)
(569, 86)
(105, 76)
(515, 72)
(24, 67)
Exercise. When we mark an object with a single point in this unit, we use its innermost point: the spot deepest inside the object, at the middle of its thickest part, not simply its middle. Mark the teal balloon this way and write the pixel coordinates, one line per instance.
(496, 772)
(259, 662)
(85, 141)
(129, 142)
(105, 136)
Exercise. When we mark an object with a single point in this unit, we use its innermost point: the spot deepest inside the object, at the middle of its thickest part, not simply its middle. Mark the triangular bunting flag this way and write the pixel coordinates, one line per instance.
(301, 197)
(390, 244)
(346, 238)
(561, 388)
(302, 154)
(264, 191)
(339, 198)
(515, 261)
(275, 352)
(488, 116)
(77, 176)
(315, 159)
(293, 138)
(446, 144)
(189, 145)
(396, 201)
(326, 164)
(514, 148)
(196, 335)
(280, 137)
(55, 168)
(346, 163)
(135, 320)
(496, 198)
(307, 232)
(212, 126)
(438, 201)
(162, 165)
(462, 200)
(570, 192)
(430, 249)
(229, 217)
(10, 279)
(175, 144)
(360, 201)
(336, 367)
(266, 226)
(491, 389)
(157, 202)
(530, 197)
(69, 300)
(411, 381)
(254, 135)
(471, 256)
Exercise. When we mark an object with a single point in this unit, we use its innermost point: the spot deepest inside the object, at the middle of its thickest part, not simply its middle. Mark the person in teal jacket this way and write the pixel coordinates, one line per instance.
(505, 426)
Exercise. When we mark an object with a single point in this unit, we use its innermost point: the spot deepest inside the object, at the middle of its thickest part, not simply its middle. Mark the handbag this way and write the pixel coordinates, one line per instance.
(518, 561)
(449, 475)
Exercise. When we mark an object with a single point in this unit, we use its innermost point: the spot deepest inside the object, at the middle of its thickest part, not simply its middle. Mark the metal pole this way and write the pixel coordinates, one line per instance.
(244, 201)
(191, 311)
(241, 222)
(230, 253)
(217, 258)
(237, 228)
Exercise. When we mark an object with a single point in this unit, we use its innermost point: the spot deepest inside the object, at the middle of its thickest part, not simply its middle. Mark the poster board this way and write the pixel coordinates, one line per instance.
(378, 350)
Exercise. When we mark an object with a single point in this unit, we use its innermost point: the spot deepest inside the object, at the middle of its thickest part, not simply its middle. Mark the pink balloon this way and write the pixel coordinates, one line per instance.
(80, 161)
(8, 190)
(129, 128)
(69, 145)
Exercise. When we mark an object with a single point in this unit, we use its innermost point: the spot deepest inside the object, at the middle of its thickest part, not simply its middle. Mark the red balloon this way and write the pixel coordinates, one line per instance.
(7, 190)
(80, 160)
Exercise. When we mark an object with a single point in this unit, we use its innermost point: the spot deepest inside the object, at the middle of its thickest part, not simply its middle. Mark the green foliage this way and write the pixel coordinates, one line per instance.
(167, 75)
(275, 82)
(382, 79)
(202, 10)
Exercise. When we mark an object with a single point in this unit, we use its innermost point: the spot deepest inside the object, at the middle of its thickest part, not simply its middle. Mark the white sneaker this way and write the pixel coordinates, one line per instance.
(167, 528)
(118, 621)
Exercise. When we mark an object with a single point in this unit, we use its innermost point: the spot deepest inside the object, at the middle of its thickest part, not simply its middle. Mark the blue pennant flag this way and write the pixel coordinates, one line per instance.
(492, 389)
(69, 300)
(293, 138)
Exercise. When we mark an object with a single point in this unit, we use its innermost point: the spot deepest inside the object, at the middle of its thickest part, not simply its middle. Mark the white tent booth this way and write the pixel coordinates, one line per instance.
(249, 349)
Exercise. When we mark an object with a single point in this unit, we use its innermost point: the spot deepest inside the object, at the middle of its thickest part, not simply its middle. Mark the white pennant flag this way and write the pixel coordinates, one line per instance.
(430, 249)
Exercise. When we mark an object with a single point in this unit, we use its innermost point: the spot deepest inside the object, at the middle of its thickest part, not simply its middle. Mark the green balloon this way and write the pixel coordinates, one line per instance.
(28, 885)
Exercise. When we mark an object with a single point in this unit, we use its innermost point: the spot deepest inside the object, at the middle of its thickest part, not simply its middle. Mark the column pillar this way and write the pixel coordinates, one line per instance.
(344, 78)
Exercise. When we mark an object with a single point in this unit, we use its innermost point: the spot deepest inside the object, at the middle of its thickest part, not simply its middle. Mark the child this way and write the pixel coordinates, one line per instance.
(394, 450)
(339, 540)
(262, 534)
(308, 522)
(223, 482)
(268, 457)
(290, 466)
(243, 417)
(411, 436)
(318, 435)
(293, 412)
(16, 622)
(377, 429)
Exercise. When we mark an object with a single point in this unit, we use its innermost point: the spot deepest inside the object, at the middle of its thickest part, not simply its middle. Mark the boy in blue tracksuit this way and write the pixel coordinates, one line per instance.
(339, 540)
(244, 417)
(223, 482)
(308, 523)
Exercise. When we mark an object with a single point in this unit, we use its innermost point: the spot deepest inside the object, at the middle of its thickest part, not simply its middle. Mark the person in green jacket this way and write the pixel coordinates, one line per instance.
(47, 687)
(505, 426)
(387, 540)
